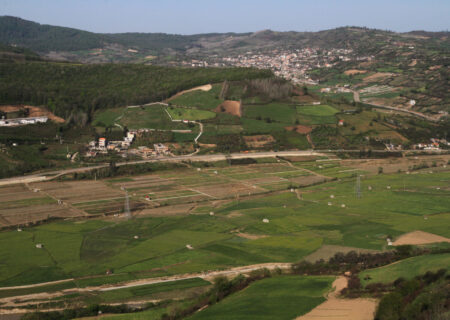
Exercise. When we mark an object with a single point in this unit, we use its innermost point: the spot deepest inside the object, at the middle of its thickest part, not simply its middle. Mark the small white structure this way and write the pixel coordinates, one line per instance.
(342, 205)
(102, 142)
(198, 169)
(329, 203)
(388, 187)
(39, 245)
(412, 102)
(215, 172)
(292, 190)
(19, 230)
(265, 220)
(136, 237)
(389, 242)
(189, 247)
(332, 196)
(369, 188)
(211, 213)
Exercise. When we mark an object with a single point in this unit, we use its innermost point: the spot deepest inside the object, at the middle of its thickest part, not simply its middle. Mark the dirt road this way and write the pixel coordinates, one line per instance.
(210, 275)
(337, 308)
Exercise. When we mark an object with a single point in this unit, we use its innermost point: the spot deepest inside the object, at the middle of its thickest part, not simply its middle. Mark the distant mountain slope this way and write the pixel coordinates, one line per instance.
(46, 38)
(13, 54)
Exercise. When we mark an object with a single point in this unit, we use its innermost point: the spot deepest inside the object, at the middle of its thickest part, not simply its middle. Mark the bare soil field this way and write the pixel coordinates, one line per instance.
(228, 190)
(377, 76)
(336, 308)
(258, 141)
(33, 112)
(300, 129)
(251, 236)
(229, 106)
(392, 165)
(16, 193)
(180, 209)
(418, 238)
(354, 71)
(307, 180)
(205, 87)
(34, 214)
(79, 191)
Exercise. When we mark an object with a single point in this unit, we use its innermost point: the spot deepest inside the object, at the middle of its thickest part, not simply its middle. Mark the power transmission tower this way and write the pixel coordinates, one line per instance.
(358, 186)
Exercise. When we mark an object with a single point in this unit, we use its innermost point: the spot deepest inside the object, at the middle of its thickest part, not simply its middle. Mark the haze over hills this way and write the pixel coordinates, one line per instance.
(68, 43)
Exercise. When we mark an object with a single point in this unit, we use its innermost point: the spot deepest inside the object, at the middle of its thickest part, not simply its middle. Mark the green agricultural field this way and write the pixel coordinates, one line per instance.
(205, 100)
(408, 268)
(300, 223)
(152, 314)
(320, 114)
(148, 290)
(276, 112)
(107, 117)
(190, 114)
(282, 297)
(150, 117)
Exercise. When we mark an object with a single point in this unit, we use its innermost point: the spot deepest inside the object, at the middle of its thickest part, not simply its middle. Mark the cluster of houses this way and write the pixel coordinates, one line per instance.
(102, 146)
(145, 152)
(22, 121)
(435, 144)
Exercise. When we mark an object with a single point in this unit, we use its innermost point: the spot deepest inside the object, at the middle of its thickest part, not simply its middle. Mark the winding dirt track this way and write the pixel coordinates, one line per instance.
(16, 301)
(336, 308)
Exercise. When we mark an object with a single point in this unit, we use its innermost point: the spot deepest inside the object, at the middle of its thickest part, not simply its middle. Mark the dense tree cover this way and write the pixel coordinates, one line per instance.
(73, 89)
(10, 53)
(422, 298)
(45, 38)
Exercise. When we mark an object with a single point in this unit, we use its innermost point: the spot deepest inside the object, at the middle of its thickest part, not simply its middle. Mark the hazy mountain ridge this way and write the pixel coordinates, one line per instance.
(46, 39)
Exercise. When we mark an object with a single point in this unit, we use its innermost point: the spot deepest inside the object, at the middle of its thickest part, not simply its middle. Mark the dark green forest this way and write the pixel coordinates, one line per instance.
(71, 89)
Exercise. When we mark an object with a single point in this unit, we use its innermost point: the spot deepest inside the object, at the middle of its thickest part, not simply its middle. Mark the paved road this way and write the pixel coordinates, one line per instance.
(193, 157)
(356, 98)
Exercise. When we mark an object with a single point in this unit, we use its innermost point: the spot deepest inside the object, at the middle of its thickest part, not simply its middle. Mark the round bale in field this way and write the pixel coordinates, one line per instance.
(265, 220)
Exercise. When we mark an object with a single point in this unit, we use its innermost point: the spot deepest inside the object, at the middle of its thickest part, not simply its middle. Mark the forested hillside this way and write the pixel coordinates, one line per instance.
(73, 88)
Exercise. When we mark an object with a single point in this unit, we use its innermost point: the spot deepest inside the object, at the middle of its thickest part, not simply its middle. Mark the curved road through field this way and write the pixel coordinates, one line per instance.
(356, 98)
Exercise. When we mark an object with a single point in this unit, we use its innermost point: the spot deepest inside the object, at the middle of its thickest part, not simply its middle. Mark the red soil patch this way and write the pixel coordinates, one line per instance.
(378, 76)
(300, 129)
(33, 112)
(231, 107)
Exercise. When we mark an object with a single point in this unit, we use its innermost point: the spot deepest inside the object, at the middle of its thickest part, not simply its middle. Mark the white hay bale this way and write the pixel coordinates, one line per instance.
(332, 196)
(189, 247)
(198, 169)
(292, 190)
(388, 187)
(342, 205)
(19, 230)
(136, 237)
(39, 245)
(211, 213)
(215, 172)
(329, 203)
(369, 188)
(265, 220)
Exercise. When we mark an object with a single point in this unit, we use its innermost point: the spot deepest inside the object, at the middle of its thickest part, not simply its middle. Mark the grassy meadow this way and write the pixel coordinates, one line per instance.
(283, 297)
